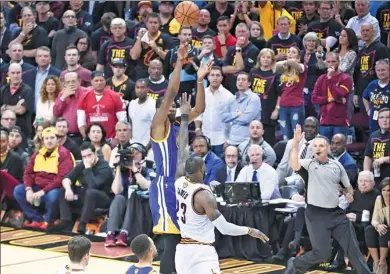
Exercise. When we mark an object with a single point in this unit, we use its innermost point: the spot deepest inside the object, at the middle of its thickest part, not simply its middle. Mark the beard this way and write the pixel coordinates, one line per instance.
(172, 117)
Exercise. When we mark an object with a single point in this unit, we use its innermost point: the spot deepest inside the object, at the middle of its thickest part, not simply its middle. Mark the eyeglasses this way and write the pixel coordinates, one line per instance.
(386, 60)
(8, 119)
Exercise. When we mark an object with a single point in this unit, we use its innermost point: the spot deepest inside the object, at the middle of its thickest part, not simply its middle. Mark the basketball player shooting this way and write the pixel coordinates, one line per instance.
(197, 215)
(164, 133)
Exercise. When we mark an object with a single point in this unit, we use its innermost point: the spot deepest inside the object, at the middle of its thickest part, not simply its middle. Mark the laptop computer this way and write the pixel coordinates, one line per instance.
(239, 192)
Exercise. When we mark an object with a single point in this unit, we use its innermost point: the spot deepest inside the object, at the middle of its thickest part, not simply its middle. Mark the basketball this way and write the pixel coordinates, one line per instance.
(187, 13)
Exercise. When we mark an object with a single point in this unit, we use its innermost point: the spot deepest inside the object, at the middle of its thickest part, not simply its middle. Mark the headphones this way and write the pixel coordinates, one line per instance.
(238, 153)
(207, 139)
(140, 148)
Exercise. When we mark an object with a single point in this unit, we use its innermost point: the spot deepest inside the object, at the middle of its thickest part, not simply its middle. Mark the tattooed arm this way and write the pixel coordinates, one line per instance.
(183, 152)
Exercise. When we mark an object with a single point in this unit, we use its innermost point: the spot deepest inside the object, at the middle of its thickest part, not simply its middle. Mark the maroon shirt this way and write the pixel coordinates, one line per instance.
(333, 113)
(68, 108)
(48, 181)
(84, 75)
(292, 96)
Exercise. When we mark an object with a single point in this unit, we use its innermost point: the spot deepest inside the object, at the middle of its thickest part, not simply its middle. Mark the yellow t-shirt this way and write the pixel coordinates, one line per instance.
(268, 19)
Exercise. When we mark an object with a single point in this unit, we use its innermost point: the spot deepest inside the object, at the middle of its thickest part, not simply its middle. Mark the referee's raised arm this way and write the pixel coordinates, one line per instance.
(294, 154)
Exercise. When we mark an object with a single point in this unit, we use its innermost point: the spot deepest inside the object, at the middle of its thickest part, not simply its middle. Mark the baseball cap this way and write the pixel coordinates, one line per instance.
(118, 62)
(49, 131)
(97, 73)
(15, 129)
(148, 3)
(171, 2)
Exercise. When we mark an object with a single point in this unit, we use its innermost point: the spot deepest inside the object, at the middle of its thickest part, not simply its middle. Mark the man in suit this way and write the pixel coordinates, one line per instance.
(202, 148)
(285, 173)
(16, 53)
(233, 166)
(34, 78)
(339, 152)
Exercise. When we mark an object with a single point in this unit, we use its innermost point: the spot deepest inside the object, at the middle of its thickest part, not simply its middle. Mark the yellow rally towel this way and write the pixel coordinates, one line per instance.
(46, 164)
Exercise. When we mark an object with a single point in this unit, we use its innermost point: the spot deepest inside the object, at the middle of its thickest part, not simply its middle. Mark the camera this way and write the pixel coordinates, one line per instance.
(126, 156)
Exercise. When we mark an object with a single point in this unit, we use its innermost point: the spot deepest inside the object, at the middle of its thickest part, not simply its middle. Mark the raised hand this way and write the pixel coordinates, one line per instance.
(298, 134)
(255, 233)
(204, 70)
(185, 104)
(182, 53)
(240, 41)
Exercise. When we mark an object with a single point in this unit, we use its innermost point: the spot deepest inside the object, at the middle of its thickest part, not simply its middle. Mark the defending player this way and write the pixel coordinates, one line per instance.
(164, 144)
(198, 214)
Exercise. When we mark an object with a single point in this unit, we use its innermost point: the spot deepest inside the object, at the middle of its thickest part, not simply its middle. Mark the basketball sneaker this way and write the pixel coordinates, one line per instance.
(110, 240)
(122, 240)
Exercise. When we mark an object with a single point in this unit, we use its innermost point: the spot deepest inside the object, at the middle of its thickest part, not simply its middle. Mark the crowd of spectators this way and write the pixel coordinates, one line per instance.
(80, 81)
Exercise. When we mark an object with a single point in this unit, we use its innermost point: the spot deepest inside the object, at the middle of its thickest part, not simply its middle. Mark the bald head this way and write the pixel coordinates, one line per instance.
(338, 145)
(71, 80)
(367, 32)
(256, 130)
(15, 74)
(231, 156)
(15, 67)
(311, 128)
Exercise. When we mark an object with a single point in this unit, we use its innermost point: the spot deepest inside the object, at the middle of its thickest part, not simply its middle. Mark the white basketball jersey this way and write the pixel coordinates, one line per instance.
(192, 225)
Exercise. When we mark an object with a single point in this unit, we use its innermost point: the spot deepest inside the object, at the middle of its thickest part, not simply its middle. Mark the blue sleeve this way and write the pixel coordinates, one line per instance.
(216, 166)
(251, 111)
(228, 113)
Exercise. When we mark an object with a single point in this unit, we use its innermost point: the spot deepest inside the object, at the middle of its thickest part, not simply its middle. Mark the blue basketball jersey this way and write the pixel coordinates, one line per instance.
(162, 196)
(165, 152)
(141, 270)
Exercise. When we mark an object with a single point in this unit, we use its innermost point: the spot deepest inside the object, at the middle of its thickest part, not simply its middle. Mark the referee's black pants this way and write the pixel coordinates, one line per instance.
(323, 224)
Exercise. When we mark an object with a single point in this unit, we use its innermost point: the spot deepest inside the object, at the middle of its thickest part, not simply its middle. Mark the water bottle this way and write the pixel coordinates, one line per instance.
(127, 14)
(37, 202)
(377, 172)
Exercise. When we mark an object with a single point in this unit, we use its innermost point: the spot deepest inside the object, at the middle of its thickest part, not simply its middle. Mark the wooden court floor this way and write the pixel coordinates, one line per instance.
(27, 251)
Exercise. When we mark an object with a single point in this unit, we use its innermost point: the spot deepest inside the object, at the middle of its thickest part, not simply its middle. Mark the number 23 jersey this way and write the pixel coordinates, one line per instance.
(193, 225)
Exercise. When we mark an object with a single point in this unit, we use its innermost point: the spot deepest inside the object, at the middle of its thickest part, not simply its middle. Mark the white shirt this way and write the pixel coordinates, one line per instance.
(309, 151)
(341, 155)
(233, 172)
(141, 116)
(45, 110)
(356, 23)
(266, 176)
(193, 225)
(212, 125)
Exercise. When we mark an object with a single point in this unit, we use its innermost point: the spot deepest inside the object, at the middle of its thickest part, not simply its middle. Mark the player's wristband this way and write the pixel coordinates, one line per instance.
(249, 230)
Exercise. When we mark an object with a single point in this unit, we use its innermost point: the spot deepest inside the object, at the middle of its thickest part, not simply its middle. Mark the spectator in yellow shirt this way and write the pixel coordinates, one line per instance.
(269, 13)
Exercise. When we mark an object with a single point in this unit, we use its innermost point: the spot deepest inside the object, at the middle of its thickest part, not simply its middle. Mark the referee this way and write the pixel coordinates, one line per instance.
(324, 219)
